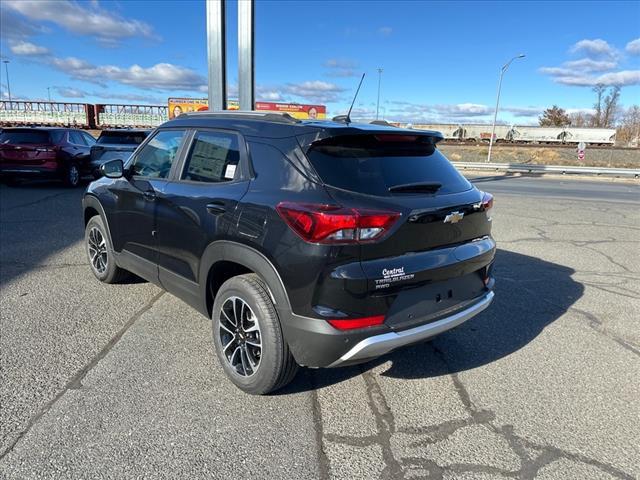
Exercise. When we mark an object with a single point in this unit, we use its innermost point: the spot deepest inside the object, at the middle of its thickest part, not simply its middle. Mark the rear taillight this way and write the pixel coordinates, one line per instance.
(487, 201)
(317, 223)
(353, 323)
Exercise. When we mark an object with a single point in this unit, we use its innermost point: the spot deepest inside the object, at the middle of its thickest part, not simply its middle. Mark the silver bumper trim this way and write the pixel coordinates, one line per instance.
(380, 344)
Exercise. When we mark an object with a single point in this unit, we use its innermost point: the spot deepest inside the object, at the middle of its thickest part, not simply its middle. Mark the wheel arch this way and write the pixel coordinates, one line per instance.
(224, 259)
(91, 207)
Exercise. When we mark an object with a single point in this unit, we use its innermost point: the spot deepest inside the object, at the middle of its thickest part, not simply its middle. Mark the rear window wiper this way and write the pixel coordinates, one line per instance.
(430, 187)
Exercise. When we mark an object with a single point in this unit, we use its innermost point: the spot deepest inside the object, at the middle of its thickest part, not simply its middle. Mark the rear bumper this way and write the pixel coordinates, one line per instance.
(315, 343)
(378, 345)
(28, 170)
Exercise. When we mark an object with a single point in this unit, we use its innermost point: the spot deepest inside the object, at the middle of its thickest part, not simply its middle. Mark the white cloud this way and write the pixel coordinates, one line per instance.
(81, 19)
(341, 67)
(162, 76)
(70, 92)
(13, 26)
(314, 91)
(340, 63)
(524, 111)
(633, 47)
(21, 47)
(594, 48)
(597, 67)
(589, 65)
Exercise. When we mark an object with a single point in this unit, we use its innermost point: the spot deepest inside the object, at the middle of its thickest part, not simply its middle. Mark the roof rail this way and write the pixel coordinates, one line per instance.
(282, 117)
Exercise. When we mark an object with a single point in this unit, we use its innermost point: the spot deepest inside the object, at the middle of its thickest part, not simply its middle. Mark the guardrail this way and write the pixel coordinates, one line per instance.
(563, 169)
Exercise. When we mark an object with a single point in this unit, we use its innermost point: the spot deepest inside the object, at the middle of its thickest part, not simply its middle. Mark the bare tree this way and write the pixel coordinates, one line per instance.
(580, 119)
(596, 118)
(610, 107)
(554, 117)
(629, 129)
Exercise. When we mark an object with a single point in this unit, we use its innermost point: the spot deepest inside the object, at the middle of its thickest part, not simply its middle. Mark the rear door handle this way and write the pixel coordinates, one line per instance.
(216, 208)
(149, 195)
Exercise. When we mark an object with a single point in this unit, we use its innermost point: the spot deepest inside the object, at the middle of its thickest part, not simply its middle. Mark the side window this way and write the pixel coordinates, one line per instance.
(157, 156)
(57, 136)
(76, 138)
(213, 158)
(89, 140)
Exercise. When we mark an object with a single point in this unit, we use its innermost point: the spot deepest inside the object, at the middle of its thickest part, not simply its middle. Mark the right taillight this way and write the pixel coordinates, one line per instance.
(321, 223)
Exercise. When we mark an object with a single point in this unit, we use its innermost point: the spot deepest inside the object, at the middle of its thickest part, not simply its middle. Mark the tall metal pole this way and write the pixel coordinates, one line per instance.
(216, 55)
(495, 113)
(6, 69)
(49, 93)
(378, 103)
(246, 63)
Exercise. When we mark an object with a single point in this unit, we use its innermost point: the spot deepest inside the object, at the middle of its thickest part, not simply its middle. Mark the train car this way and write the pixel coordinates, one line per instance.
(598, 136)
(138, 116)
(450, 131)
(532, 134)
(482, 133)
(46, 113)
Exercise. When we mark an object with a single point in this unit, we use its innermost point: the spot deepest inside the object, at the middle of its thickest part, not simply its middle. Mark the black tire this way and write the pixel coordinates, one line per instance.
(111, 273)
(71, 175)
(276, 367)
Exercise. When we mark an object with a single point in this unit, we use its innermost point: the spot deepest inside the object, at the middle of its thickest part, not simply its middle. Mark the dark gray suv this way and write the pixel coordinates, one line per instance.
(312, 243)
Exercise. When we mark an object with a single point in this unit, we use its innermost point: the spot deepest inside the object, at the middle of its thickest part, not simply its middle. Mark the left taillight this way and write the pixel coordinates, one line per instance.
(334, 224)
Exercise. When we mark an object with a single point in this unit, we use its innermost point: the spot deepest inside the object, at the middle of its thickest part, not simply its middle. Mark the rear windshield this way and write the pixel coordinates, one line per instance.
(372, 164)
(122, 138)
(24, 137)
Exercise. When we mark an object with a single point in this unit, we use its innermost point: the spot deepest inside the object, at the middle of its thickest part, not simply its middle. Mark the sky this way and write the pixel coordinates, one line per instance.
(441, 60)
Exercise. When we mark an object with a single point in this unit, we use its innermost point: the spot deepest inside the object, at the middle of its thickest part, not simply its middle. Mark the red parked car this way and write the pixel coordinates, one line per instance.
(60, 153)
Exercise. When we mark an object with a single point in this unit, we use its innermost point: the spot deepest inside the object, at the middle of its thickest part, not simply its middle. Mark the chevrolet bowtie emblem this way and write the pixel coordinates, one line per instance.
(453, 217)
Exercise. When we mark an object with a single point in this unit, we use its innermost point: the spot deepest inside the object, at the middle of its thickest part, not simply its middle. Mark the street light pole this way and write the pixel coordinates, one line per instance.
(378, 104)
(6, 69)
(495, 113)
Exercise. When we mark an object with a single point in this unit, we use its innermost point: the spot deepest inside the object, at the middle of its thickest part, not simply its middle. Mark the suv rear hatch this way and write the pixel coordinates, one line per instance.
(27, 146)
(441, 241)
(116, 145)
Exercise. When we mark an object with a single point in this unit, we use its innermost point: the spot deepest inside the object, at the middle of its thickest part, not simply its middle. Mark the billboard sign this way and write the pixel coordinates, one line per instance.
(178, 106)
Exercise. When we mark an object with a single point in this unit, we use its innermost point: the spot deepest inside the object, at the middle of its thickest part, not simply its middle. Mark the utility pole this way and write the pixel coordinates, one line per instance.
(495, 113)
(216, 54)
(246, 63)
(379, 80)
(6, 68)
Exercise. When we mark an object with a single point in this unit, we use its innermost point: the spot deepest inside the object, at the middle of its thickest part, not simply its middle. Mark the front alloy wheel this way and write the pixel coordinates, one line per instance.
(240, 336)
(98, 254)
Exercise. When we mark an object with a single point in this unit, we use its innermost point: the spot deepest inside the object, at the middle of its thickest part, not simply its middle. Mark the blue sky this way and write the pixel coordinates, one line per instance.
(441, 60)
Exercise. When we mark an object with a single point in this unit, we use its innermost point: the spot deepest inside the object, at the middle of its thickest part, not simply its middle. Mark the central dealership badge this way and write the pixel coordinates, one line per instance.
(453, 217)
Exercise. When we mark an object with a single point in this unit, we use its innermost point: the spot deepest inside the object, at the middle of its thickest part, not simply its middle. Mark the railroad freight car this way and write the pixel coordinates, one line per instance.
(81, 115)
(138, 116)
(598, 136)
(47, 113)
(534, 134)
(450, 131)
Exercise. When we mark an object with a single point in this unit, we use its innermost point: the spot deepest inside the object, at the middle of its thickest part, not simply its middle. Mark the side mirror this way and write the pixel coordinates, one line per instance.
(112, 169)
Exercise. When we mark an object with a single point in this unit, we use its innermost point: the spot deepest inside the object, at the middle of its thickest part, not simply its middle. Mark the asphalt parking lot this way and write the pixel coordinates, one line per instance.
(121, 381)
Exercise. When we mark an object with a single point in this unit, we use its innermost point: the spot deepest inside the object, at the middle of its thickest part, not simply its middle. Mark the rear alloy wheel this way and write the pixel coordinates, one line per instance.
(100, 253)
(248, 338)
(240, 336)
(72, 175)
